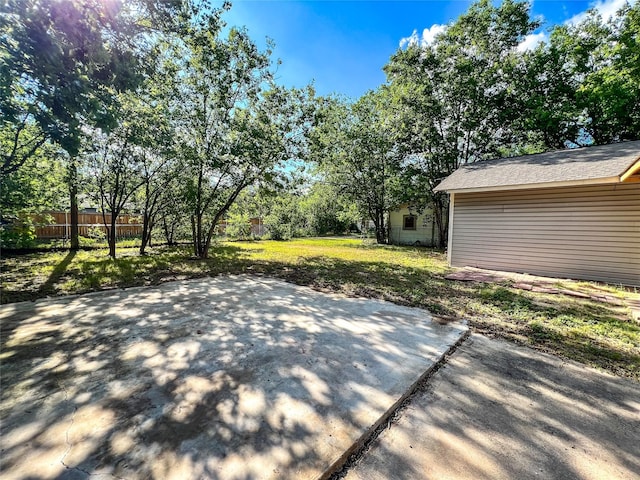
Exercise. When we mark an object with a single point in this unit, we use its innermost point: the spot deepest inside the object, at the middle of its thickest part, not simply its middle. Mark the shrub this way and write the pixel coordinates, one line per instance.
(238, 227)
(17, 232)
(280, 231)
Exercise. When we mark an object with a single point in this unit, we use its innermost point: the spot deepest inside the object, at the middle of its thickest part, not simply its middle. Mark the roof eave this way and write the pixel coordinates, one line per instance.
(631, 171)
(529, 186)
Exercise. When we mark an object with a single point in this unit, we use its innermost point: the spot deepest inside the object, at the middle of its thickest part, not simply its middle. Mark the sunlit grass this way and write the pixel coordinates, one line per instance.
(595, 333)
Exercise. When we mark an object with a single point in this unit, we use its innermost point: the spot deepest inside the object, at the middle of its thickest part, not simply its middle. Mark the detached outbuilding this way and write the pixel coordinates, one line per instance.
(569, 214)
(409, 225)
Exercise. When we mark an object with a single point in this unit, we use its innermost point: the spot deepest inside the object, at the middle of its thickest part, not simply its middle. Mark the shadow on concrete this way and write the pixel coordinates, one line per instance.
(475, 302)
(231, 378)
(497, 411)
(493, 309)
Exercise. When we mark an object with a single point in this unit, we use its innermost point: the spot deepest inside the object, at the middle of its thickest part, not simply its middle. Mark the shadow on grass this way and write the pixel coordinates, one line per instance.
(47, 288)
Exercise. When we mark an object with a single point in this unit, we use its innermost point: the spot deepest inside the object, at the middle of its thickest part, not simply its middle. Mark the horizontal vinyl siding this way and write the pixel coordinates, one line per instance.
(587, 232)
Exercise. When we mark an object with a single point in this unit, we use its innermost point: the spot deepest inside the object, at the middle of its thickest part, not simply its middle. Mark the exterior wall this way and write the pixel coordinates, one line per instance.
(425, 233)
(585, 232)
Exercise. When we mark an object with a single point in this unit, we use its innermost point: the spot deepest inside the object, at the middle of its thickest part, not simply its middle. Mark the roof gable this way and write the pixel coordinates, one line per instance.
(580, 166)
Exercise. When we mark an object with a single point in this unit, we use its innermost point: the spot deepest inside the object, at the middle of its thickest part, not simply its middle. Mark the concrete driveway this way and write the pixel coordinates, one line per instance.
(224, 378)
(499, 411)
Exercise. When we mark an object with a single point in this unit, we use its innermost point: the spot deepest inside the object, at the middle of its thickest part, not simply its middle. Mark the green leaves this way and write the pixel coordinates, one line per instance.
(63, 62)
(584, 86)
(356, 151)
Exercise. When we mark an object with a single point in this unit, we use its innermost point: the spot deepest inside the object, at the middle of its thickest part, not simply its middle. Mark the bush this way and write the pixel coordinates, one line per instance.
(17, 232)
(238, 227)
(97, 234)
(280, 231)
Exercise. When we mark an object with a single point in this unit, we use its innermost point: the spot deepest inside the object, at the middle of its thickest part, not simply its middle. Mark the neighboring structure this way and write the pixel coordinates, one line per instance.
(410, 226)
(257, 227)
(570, 213)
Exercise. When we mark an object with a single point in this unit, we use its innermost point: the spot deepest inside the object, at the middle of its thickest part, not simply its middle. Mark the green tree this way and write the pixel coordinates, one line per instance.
(62, 64)
(62, 61)
(582, 87)
(238, 226)
(284, 219)
(124, 159)
(354, 147)
(326, 210)
(173, 216)
(545, 90)
(453, 98)
(603, 60)
(159, 174)
(39, 186)
(234, 125)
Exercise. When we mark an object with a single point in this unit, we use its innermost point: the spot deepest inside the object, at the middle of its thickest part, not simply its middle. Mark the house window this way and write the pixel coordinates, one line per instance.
(408, 222)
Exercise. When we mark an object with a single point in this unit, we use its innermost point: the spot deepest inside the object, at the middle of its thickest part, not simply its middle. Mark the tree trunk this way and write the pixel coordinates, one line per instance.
(151, 225)
(193, 235)
(441, 214)
(168, 233)
(145, 235)
(112, 236)
(73, 193)
(381, 236)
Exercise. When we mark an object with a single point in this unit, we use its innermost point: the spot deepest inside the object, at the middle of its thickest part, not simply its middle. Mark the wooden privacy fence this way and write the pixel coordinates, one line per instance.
(60, 227)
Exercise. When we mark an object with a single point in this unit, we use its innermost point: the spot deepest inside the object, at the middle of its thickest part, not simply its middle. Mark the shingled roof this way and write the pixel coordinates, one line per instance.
(613, 163)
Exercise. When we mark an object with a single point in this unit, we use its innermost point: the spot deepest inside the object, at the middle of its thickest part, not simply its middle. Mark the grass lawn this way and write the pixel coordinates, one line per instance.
(594, 333)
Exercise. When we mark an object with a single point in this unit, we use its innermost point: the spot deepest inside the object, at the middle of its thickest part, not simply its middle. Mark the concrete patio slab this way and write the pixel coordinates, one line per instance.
(499, 411)
(225, 378)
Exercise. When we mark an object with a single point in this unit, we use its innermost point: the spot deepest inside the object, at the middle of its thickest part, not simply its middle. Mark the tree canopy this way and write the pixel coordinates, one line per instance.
(159, 107)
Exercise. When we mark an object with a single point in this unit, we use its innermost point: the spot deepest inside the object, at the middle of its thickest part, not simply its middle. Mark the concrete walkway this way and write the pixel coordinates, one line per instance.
(223, 378)
(499, 411)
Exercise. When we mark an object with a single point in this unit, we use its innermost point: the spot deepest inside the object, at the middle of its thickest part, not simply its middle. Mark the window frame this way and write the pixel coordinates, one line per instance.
(404, 222)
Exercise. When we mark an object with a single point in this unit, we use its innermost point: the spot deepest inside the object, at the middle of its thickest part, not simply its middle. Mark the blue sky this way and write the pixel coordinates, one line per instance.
(343, 45)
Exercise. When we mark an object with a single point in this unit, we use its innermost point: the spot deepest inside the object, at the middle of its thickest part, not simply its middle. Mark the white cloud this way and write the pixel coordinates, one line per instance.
(428, 36)
(606, 9)
(532, 40)
(412, 40)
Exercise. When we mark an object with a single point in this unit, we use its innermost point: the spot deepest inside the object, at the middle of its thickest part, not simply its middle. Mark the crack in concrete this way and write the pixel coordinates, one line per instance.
(70, 446)
(66, 433)
(340, 468)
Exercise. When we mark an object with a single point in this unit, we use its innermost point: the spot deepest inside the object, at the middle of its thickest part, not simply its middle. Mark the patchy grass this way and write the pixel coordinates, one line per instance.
(594, 333)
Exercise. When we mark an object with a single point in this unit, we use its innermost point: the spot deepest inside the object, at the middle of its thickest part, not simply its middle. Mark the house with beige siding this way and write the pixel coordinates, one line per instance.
(409, 225)
(571, 214)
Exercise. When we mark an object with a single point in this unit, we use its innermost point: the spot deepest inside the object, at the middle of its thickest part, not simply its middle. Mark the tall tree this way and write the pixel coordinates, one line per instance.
(38, 186)
(544, 90)
(159, 174)
(120, 160)
(582, 87)
(354, 146)
(452, 96)
(603, 60)
(235, 126)
(62, 63)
